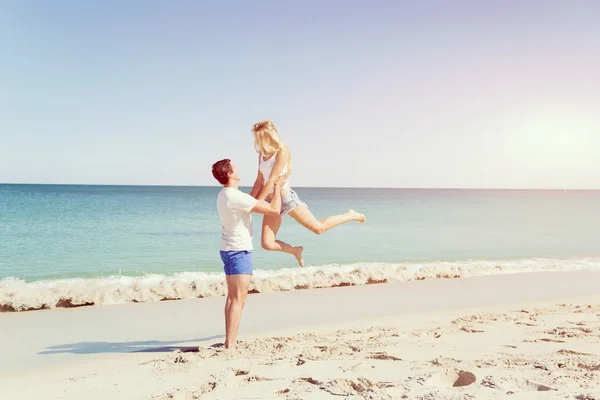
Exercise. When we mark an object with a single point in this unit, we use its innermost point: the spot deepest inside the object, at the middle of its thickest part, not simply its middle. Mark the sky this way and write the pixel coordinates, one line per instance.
(425, 94)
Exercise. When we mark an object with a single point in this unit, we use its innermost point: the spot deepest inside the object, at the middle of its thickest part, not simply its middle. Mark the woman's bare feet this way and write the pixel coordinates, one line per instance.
(357, 216)
(298, 254)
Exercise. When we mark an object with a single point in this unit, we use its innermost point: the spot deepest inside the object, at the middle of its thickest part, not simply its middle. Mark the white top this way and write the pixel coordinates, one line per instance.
(234, 207)
(266, 167)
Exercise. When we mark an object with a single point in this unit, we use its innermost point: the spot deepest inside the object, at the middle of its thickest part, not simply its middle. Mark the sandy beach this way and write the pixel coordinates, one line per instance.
(526, 336)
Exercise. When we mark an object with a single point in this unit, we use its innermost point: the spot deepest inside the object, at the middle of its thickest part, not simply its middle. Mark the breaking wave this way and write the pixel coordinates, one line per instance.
(18, 295)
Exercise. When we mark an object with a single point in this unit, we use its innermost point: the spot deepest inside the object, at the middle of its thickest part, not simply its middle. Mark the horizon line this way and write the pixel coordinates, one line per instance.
(299, 186)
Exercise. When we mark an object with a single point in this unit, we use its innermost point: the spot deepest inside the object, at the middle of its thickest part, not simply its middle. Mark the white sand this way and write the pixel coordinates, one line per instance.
(518, 334)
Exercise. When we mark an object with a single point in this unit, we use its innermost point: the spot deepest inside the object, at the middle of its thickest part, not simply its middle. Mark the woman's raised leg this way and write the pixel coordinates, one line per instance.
(305, 218)
(269, 242)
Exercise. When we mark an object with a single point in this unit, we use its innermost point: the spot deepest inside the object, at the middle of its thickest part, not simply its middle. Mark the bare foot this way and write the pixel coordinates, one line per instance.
(357, 216)
(298, 254)
(229, 346)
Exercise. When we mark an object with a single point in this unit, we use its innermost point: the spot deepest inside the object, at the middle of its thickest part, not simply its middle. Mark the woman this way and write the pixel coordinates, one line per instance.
(274, 160)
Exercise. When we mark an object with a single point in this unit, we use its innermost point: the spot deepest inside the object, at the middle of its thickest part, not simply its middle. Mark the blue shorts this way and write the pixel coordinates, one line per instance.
(237, 262)
(289, 202)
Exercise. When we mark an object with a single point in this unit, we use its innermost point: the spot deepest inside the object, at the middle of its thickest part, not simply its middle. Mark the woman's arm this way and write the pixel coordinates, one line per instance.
(280, 161)
(258, 183)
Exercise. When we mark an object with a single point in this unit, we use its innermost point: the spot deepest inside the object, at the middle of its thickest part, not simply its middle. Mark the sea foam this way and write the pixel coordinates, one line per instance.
(18, 295)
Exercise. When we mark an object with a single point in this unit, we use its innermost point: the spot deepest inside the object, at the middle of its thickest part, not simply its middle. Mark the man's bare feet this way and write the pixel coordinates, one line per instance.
(357, 216)
(217, 347)
(298, 254)
(229, 346)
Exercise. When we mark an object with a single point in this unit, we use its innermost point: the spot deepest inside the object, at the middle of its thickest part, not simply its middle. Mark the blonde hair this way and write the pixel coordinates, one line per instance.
(267, 140)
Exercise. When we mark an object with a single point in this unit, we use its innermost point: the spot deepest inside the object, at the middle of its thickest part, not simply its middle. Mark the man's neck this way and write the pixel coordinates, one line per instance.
(231, 186)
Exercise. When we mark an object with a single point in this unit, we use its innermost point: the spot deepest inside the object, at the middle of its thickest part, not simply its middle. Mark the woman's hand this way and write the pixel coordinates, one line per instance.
(282, 180)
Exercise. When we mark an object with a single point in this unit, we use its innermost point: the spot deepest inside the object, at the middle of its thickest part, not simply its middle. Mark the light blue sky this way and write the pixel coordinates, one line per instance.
(366, 93)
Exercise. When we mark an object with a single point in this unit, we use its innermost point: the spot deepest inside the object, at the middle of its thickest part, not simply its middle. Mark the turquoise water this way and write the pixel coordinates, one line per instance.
(56, 232)
(49, 231)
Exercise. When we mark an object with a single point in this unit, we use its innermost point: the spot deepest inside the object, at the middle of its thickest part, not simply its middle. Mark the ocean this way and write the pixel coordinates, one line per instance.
(69, 245)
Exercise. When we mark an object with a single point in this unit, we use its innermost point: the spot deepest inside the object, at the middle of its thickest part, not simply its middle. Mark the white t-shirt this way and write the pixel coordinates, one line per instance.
(234, 208)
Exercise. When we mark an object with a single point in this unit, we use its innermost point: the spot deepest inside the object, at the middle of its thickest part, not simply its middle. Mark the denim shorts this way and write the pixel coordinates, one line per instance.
(237, 262)
(289, 202)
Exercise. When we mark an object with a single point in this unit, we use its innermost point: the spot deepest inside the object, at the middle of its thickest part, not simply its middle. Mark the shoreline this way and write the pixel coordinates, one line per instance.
(19, 296)
(274, 310)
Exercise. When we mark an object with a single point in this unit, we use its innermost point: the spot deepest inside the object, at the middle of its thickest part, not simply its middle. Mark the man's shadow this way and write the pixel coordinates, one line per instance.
(149, 346)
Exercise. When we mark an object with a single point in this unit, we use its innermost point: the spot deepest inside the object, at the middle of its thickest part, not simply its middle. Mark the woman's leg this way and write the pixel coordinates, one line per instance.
(270, 228)
(307, 220)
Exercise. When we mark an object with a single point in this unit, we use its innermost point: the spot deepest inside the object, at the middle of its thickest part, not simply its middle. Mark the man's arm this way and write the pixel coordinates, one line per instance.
(273, 208)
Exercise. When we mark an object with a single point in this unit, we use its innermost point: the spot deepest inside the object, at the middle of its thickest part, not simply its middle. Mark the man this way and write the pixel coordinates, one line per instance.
(235, 211)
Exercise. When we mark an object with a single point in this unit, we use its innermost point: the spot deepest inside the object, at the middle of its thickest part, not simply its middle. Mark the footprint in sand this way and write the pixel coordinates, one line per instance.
(572, 353)
(548, 340)
(490, 382)
(585, 396)
(569, 332)
(255, 378)
(383, 356)
(310, 380)
(589, 367)
(525, 323)
(577, 323)
(470, 330)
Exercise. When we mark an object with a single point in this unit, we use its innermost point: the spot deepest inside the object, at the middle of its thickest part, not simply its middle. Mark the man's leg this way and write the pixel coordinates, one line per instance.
(237, 292)
(227, 304)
